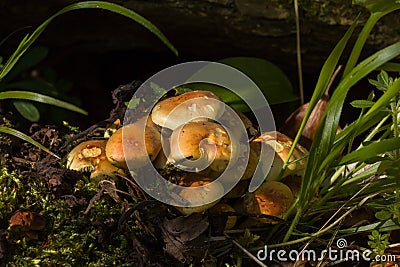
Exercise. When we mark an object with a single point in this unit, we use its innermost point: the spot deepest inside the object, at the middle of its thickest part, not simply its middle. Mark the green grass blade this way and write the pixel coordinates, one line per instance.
(386, 226)
(372, 150)
(40, 98)
(30, 39)
(334, 109)
(322, 83)
(26, 138)
(378, 9)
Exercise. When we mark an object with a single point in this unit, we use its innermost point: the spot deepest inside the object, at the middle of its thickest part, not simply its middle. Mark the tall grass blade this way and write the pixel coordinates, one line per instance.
(26, 138)
(40, 98)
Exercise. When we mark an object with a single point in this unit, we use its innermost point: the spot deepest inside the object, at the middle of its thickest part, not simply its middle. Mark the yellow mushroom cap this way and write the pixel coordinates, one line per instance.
(138, 145)
(90, 156)
(271, 198)
(200, 196)
(197, 140)
(281, 145)
(195, 105)
(86, 155)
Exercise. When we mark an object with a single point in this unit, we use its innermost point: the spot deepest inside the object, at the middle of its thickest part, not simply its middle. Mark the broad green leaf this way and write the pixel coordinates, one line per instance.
(362, 103)
(272, 82)
(372, 150)
(40, 98)
(28, 40)
(27, 110)
(26, 138)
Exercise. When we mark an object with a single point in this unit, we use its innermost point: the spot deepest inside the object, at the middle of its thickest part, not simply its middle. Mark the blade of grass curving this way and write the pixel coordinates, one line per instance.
(26, 138)
(378, 9)
(322, 83)
(40, 98)
(30, 39)
(335, 105)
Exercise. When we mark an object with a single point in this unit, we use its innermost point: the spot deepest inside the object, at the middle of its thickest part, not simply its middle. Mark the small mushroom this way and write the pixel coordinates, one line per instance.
(204, 143)
(90, 156)
(28, 223)
(138, 145)
(281, 145)
(294, 183)
(223, 207)
(195, 105)
(271, 198)
(251, 165)
(202, 197)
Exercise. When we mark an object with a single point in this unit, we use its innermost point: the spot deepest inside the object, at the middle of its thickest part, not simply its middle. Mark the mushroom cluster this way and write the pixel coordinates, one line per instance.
(194, 139)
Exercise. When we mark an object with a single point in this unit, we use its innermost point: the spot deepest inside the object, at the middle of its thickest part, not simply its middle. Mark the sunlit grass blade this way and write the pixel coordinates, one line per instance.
(378, 9)
(40, 98)
(30, 39)
(26, 138)
(323, 81)
(371, 150)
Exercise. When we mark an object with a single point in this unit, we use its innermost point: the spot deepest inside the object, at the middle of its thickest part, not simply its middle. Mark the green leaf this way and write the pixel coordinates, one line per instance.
(40, 98)
(385, 226)
(390, 66)
(28, 40)
(271, 80)
(26, 138)
(362, 103)
(27, 110)
(383, 215)
(364, 153)
(311, 178)
(378, 9)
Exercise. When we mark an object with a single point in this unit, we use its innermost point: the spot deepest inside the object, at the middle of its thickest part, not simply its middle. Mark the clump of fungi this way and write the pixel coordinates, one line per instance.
(196, 136)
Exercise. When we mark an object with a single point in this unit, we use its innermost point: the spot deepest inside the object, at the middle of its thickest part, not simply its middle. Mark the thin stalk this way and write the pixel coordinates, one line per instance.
(298, 51)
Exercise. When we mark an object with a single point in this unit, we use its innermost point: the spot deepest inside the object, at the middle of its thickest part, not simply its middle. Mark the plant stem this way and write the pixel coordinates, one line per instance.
(298, 51)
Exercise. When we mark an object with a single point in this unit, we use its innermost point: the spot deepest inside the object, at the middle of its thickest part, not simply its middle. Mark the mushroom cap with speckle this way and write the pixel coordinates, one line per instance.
(90, 156)
(195, 105)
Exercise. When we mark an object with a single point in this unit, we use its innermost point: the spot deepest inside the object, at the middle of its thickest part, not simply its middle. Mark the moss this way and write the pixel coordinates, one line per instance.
(71, 237)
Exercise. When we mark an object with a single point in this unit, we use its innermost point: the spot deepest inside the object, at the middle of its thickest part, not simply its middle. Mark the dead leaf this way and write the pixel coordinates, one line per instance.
(185, 237)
